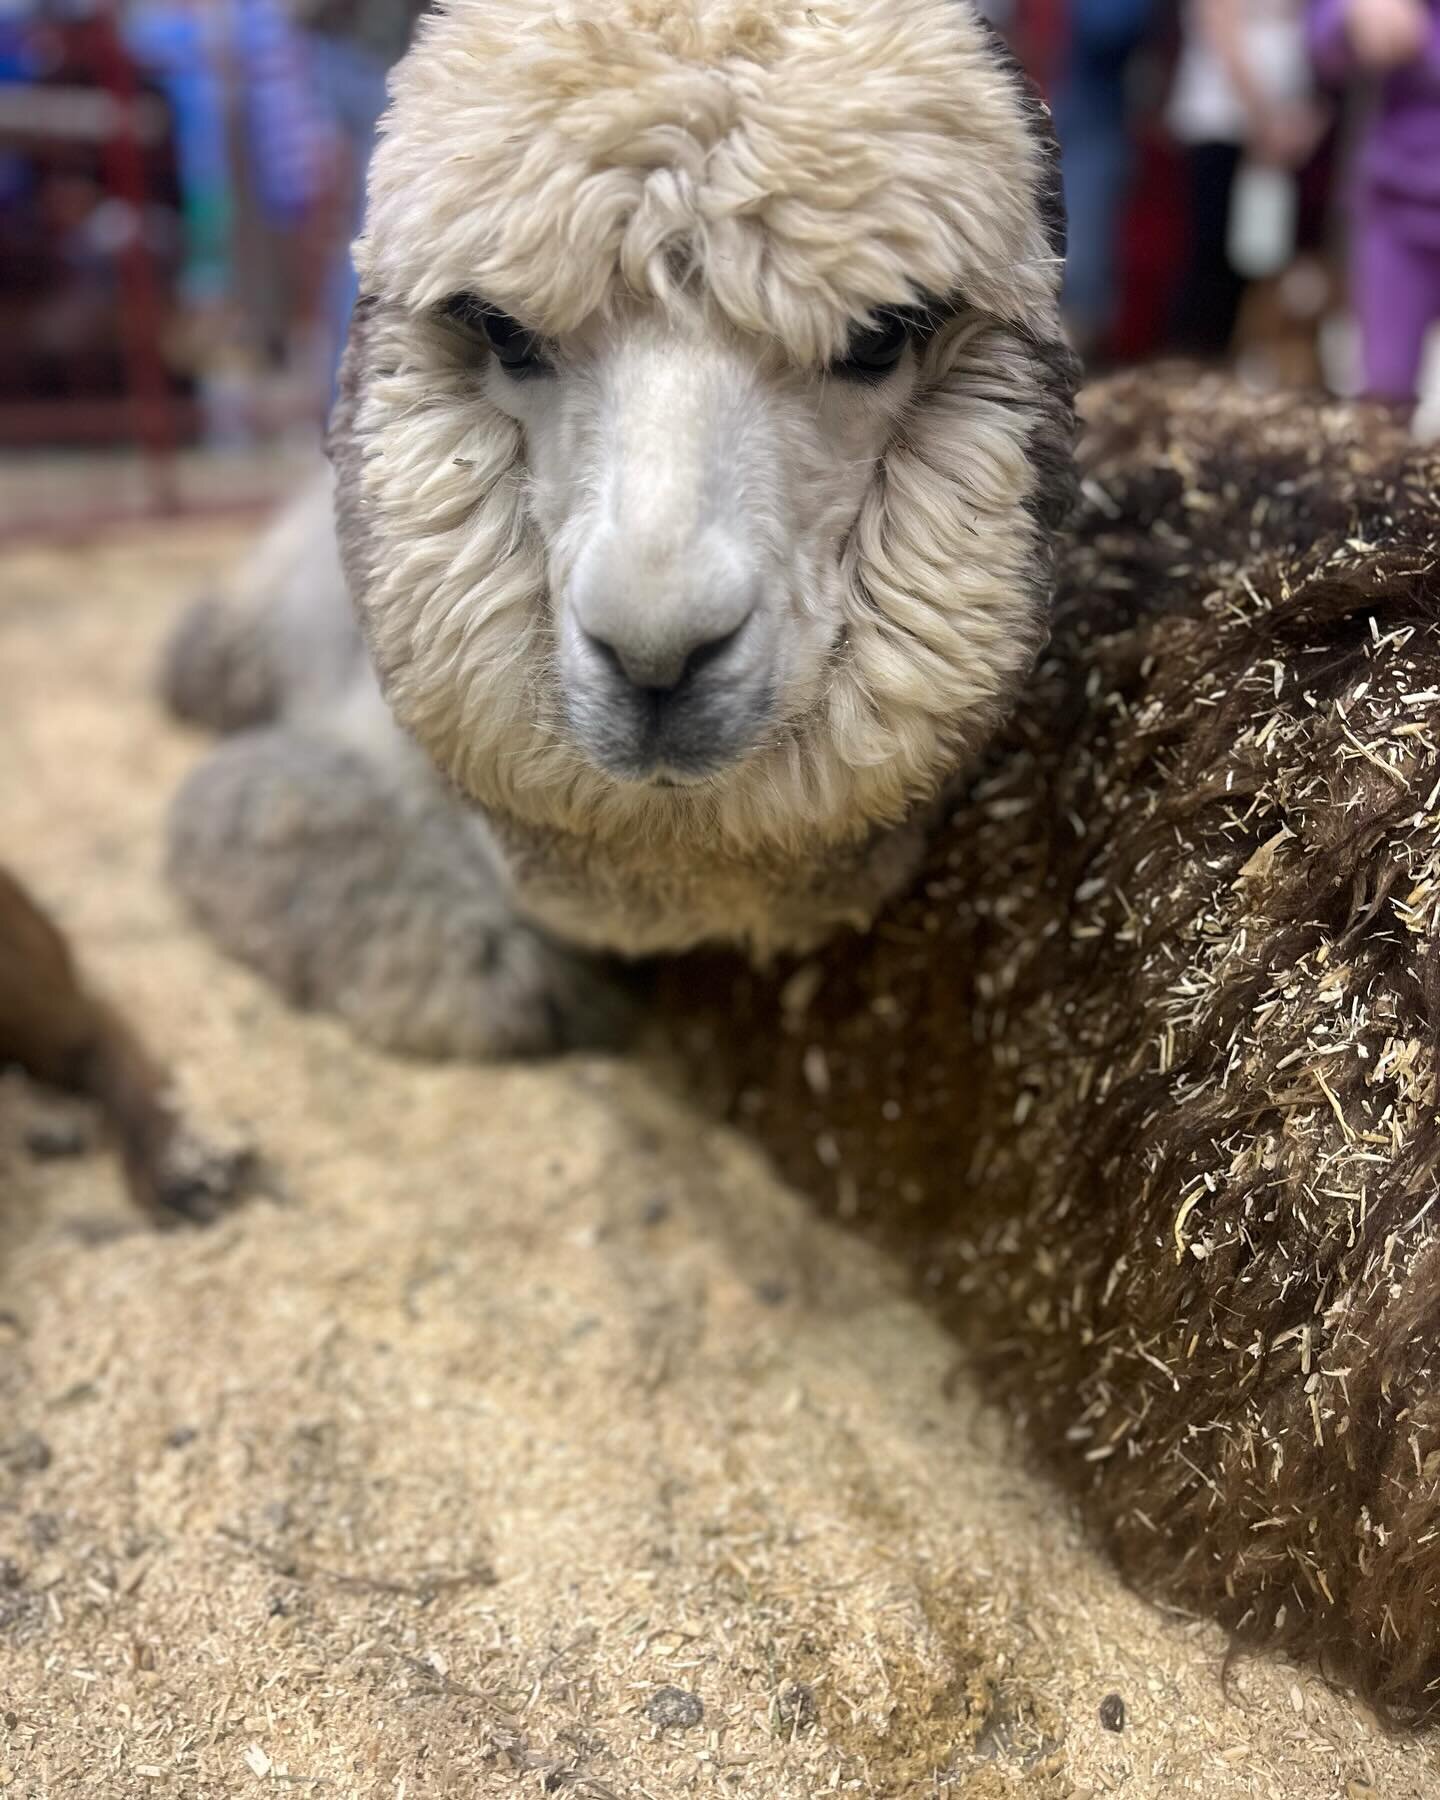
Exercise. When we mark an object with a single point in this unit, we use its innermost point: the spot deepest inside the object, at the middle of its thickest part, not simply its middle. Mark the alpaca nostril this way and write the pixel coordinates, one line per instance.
(606, 653)
(712, 650)
(658, 667)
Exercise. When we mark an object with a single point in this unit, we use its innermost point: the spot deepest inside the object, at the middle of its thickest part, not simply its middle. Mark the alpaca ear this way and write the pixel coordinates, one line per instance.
(1050, 193)
(342, 445)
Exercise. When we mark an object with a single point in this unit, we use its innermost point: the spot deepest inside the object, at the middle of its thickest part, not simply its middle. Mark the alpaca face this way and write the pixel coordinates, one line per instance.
(707, 419)
(694, 496)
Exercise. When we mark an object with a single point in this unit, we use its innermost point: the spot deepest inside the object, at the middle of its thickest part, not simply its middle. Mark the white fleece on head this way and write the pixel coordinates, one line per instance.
(776, 170)
(813, 160)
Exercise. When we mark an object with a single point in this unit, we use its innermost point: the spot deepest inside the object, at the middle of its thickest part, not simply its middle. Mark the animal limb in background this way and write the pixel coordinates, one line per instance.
(58, 1031)
(1142, 1077)
(703, 439)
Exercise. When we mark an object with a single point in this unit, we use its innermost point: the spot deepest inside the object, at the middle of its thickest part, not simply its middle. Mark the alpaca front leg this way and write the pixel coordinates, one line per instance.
(280, 637)
(218, 670)
(362, 888)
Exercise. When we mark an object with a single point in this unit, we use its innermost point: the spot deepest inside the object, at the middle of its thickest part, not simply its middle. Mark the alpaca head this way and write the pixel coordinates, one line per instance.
(707, 416)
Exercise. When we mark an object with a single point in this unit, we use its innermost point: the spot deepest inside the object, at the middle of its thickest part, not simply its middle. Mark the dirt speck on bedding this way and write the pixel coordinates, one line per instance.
(529, 1439)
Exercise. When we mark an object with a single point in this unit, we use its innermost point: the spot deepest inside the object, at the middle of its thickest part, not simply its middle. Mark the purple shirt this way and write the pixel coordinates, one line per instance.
(1399, 162)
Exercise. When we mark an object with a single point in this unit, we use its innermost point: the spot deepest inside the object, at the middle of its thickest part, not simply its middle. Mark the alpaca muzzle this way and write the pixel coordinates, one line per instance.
(668, 636)
(671, 704)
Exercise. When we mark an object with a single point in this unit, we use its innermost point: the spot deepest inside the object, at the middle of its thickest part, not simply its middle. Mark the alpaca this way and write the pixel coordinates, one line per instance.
(1140, 1078)
(58, 1030)
(705, 428)
(705, 437)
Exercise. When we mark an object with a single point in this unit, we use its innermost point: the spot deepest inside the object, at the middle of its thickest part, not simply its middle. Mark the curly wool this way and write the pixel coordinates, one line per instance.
(749, 168)
(809, 162)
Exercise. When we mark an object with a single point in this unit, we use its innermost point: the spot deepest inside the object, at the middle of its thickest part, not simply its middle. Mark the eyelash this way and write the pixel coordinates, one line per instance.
(520, 353)
(876, 350)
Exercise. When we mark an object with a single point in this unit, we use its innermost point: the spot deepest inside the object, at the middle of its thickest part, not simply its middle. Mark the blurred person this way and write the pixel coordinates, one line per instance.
(1395, 206)
(352, 44)
(257, 155)
(180, 46)
(1092, 117)
(1243, 91)
(228, 71)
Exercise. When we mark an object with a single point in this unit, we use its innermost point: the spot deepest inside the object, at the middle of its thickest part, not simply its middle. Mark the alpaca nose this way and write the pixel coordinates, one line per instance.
(658, 618)
(660, 662)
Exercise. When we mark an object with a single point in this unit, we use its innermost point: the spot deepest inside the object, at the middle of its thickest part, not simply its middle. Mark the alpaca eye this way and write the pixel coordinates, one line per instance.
(875, 350)
(518, 351)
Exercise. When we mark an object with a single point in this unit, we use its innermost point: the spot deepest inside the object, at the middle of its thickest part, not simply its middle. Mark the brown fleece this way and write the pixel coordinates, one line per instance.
(1141, 1077)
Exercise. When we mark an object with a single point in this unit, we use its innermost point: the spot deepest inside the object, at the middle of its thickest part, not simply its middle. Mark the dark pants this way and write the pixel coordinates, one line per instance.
(1090, 114)
(1092, 117)
(1208, 304)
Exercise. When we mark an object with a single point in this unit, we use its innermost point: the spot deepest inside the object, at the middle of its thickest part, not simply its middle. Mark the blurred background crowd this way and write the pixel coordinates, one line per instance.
(1252, 179)
(1248, 180)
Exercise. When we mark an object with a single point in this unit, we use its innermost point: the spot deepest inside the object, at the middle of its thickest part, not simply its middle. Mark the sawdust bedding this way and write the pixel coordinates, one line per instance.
(529, 1438)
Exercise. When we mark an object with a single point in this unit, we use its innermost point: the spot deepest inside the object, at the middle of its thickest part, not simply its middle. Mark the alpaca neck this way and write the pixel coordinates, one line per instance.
(639, 899)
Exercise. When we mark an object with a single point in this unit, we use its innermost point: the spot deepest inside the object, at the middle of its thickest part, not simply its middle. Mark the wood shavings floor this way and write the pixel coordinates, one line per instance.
(531, 1402)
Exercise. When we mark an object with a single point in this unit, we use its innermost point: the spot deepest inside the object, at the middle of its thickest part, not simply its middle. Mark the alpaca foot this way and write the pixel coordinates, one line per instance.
(62, 1032)
(371, 893)
(282, 633)
(186, 1179)
(216, 669)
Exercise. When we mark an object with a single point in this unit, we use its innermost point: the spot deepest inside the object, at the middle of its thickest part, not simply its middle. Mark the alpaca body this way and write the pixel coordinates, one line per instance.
(704, 435)
(1142, 1078)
